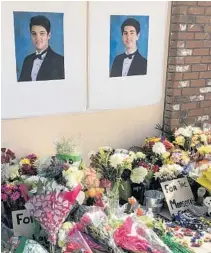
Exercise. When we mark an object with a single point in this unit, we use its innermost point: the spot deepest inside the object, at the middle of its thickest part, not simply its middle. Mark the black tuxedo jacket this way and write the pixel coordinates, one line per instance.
(52, 67)
(137, 67)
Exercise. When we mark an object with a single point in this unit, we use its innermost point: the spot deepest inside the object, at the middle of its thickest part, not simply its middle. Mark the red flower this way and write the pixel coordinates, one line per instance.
(105, 183)
(155, 168)
(143, 164)
(168, 144)
(7, 155)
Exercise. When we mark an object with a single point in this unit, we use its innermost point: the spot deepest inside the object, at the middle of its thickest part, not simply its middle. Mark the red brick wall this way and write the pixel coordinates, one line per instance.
(188, 85)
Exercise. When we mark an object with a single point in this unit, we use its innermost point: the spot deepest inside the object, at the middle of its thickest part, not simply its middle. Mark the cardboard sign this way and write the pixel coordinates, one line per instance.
(23, 224)
(178, 194)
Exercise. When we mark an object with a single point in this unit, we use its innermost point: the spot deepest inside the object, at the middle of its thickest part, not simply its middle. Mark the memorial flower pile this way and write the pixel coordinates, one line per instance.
(79, 206)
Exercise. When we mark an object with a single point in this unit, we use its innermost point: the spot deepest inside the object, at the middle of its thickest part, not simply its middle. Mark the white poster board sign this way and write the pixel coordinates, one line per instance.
(23, 224)
(56, 82)
(111, 84)
(178, 194)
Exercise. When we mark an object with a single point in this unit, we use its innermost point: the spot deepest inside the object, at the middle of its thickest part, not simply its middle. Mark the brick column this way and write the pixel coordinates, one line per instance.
(188, 85)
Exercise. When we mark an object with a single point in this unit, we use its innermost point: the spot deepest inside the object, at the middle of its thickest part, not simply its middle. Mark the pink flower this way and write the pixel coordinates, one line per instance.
(105, 183)
(31, 156)
(3, 197)
(85, 220)
(15, 196)
(8, 189)
(3, 188)
(14, 187)
(91, 179)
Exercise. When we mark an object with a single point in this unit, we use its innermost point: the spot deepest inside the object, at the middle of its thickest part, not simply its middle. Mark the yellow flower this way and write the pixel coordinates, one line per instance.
(169, 161)
(100, 190)
(195, 140)
(207, 174)
(13, 172)
(203, 138)
(91, 192)
(165, 155)
(155, 139)
(24, 161)
(140, 155)
(86, 194)
(152, 140)
(67, 225)
(67, 172)
(180, 140)
(61, 244)
(203, 150)
(184, 157)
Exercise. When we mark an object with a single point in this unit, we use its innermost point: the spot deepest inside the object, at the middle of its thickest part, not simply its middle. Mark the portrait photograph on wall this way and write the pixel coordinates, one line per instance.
(39, 46)
(44, 49)
(128, 45)
(126, 53)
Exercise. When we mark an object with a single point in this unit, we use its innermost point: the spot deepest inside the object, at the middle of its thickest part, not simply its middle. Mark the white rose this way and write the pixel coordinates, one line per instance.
(80, 198)
(12, 172)
(140, 155)
(196, 130)
(132, 155)
(62, 235)
(116, 159)
(159, 148)
(138, 175)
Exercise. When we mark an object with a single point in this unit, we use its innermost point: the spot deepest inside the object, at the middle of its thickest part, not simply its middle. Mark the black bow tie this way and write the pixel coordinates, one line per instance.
(39, 56)
(129, 55)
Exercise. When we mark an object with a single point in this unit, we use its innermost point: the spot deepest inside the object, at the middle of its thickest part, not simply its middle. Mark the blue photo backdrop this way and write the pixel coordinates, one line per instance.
(116, 44)
(23, 44)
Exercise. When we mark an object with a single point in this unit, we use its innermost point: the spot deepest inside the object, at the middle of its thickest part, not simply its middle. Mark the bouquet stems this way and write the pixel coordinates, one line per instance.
(52, 248)
(114, 197)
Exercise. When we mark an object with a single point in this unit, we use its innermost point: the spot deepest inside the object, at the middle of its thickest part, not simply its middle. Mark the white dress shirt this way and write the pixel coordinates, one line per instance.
(126, 64)
(36, 65)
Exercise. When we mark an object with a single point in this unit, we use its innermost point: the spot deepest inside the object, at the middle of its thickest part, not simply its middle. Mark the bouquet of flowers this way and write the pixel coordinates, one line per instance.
(201, 173)
(67, 150)
(169, 172)
(191, 139)
(27, 166)
(7, 156)
(157, 150)
(70, 239)
(51, 209)
(12, 199)
(92, 221)
(110, 165)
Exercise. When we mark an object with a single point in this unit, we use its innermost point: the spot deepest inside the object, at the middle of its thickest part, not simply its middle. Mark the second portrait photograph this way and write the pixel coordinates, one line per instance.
(128, 45)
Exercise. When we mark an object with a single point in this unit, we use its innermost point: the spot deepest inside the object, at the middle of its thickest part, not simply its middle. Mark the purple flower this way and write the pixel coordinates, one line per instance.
(8, 190)
(15, 195)
(14, 187)
(3, 188)
(3, 197)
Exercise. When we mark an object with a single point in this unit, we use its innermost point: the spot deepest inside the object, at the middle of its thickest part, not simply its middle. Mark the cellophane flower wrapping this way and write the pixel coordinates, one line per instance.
(150, 236)
(95, 223)
(76, 242)
(131, 237)
(51, 209)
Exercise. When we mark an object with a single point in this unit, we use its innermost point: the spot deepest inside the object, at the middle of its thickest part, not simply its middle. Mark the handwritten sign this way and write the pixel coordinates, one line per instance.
(178, 194)
(23, 225)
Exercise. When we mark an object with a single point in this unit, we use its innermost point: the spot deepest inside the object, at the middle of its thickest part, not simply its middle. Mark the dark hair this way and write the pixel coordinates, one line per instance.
(131, 22)
(42, 21)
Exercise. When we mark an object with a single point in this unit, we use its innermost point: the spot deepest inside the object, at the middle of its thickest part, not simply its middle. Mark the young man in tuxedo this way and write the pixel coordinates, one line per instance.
(44, 64)
(131, 62)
